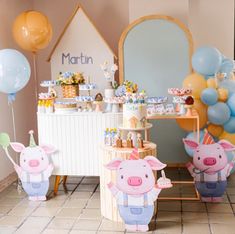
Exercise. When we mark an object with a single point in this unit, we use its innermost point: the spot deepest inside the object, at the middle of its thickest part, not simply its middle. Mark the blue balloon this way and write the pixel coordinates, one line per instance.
(226, 67)
(230, 125)
(14, 71)
(231, 104)
(229, 85)
(206, 60)
(192, 136)
(219, 113)
(209, 96)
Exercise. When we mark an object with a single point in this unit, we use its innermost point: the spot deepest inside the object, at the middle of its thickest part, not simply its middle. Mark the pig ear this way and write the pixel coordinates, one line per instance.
(114, 164)
(154, 163)
(49, 149)
(18, 147)
(227, 146)
(190, 143)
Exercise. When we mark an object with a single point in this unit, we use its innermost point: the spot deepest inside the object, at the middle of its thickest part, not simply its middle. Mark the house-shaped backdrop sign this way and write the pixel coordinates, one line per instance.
(81, 48)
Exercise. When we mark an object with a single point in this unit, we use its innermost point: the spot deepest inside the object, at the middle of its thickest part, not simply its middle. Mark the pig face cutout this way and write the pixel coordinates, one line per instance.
(210, 158)
(33, 159)
(135, 176)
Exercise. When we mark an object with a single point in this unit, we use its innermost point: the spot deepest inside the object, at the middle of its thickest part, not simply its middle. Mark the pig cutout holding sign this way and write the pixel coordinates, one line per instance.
(35, 169)
(135, 189)
(210, 167)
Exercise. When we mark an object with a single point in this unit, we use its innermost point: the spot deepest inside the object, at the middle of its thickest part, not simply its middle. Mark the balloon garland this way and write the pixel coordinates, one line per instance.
(213, 86)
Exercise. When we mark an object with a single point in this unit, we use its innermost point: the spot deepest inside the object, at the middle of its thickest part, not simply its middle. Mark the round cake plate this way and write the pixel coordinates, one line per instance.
(148, 126)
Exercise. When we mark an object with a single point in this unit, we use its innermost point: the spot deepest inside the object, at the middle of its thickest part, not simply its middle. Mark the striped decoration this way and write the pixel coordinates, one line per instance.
(78, 138)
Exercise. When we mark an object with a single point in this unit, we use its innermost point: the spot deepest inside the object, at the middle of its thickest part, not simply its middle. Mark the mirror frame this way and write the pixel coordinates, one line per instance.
(139, 21)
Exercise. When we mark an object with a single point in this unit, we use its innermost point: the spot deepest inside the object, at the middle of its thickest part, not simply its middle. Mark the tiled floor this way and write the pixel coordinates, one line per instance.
(78, 211)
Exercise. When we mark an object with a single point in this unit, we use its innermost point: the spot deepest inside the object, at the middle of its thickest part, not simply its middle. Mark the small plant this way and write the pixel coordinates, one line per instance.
(126, 87)
(70, 78)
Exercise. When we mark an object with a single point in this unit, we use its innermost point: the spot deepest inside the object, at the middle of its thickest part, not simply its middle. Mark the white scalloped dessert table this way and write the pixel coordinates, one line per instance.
(77, 137)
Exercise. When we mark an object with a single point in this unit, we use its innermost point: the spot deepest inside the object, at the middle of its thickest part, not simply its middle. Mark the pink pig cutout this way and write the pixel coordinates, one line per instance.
(227, 146)
(35, 169)
(19, 147)
(153, 162)
(135, 190)
(210, 167)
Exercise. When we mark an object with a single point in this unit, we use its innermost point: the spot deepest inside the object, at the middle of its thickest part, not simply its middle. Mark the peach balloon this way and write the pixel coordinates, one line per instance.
(211, 83)
(215, 130)
(32, 31)
(228, 136)
(223, 94)
(196, 82)
(188, 124)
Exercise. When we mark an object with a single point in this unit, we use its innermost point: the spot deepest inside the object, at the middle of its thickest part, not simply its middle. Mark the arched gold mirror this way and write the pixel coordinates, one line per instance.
(155, 52)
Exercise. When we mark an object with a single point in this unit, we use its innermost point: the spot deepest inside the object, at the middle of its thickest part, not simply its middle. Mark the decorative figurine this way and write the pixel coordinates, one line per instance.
(210, 167)
(129, 141)
(98, 102)
(140, 141)
(135, 189)
(118, 141)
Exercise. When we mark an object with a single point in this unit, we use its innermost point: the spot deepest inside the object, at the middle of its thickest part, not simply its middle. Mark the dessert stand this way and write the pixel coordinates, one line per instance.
(88, 100)
(179, 96)
(49, 84)
(113, 104)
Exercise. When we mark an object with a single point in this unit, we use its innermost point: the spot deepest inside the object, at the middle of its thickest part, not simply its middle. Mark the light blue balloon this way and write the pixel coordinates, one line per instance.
(209, 96)
(230, 125)
(14, 71)
(226, 67)
(231, 104)
(206, 60)
(192, 136)
(219, 113)
(229, 85)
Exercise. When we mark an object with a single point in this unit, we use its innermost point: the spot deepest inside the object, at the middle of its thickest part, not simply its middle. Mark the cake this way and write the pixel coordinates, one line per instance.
(134, 115)
(65, 107)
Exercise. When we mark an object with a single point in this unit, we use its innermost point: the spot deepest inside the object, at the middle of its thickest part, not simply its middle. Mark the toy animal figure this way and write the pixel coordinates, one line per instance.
(35, 169)
(135, 189)
(210, 167)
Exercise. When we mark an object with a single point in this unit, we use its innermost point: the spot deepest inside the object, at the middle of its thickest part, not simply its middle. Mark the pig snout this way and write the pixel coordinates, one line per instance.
(209, 161)
(33, 163)
(134, 181)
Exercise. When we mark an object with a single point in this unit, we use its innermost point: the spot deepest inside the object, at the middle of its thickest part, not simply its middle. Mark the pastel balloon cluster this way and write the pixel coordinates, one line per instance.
(213, 88)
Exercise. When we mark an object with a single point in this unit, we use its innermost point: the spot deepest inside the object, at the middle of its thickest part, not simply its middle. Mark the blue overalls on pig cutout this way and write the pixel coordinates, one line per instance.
(36, 189)
(136, 215)
(211, 188)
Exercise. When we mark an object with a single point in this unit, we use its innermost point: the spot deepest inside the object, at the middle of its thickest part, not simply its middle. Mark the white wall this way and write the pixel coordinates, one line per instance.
(177, 9)
(212, 23)
(24, 105)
